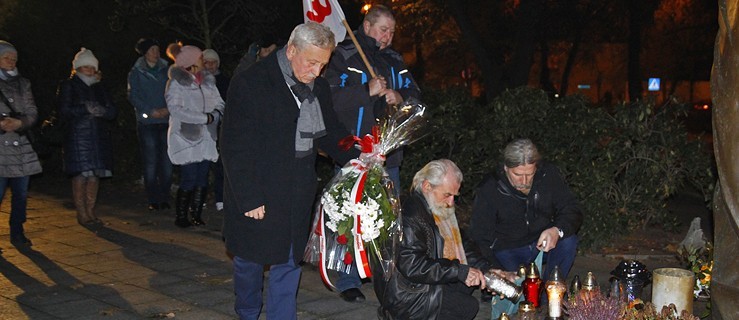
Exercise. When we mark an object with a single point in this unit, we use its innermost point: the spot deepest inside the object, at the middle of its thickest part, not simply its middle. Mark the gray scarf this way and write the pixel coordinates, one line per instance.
(310, 123)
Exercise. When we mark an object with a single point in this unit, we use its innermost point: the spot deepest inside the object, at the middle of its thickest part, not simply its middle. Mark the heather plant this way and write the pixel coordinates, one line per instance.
(589, 305)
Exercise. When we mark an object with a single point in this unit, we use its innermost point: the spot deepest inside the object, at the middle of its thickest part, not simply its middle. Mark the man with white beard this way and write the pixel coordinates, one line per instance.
(434, 276)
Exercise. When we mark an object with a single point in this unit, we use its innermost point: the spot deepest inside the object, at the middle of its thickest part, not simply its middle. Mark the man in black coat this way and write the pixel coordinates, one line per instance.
(278, 114)
(435, 274)
(525, 206)
(359, 99)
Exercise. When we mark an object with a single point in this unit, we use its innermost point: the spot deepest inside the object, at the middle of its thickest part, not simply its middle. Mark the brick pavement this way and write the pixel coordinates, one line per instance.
(139, 265)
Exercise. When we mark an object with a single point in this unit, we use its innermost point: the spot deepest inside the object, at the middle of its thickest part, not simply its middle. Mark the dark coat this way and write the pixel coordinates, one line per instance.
(88, 144)
(260, 167)
(146, 89)
(348, 76)
(414, 290)
(505, 218)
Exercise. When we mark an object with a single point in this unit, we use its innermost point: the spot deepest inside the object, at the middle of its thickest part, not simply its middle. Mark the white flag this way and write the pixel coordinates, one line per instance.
(327, 13)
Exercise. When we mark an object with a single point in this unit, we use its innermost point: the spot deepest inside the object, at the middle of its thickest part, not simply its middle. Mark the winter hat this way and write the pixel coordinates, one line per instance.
(184, 56)
(212, 55)
(84, 58)
(5, 47)
(144, 44)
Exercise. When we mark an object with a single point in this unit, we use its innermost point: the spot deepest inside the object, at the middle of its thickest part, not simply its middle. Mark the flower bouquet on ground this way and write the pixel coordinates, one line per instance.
(359, 211)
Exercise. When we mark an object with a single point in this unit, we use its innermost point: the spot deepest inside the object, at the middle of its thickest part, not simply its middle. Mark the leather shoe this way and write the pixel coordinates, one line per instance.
(352, 295)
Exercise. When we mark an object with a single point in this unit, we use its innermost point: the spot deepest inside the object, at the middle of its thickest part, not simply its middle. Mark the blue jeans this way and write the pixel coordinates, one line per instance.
(563, 256)
(194, 175)
(284, 280)
(19, 188)
(157, 166)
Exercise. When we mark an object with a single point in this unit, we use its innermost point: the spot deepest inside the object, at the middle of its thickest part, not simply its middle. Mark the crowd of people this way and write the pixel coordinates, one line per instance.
(282, 106)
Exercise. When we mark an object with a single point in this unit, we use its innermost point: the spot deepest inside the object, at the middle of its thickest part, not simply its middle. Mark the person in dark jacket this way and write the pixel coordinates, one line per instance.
(18, 161)
(279, 114)
(86, 106)
(147, 81)
(257, 51)
(359, 99)
(525, 206)
(435, 274)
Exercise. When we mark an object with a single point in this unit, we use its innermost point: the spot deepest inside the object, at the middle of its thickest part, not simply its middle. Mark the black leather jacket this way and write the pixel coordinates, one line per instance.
(414, 289)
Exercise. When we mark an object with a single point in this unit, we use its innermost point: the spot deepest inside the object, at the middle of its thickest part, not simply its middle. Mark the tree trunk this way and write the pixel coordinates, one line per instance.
(724, 78)
(634, 65)
(526, 30)
(418, 68)
(491, 73)
(545, 80)
(571, 56)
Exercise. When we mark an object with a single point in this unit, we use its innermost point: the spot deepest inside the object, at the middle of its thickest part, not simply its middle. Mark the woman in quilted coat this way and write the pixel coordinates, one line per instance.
(88, 110)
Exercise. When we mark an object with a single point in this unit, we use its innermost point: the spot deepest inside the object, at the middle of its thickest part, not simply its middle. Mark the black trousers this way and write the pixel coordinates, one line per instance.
(457, 302)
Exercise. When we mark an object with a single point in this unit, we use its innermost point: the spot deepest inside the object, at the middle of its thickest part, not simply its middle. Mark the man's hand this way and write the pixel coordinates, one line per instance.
(548, 239)
(475, 278)
(392, 97)
(377, 86)
(257, 213)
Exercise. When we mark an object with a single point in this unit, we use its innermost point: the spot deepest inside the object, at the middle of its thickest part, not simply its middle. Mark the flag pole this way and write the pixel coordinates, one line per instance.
(359, 48)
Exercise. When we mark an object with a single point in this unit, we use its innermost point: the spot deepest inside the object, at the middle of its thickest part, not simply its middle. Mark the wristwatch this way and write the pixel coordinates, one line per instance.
(561, 233)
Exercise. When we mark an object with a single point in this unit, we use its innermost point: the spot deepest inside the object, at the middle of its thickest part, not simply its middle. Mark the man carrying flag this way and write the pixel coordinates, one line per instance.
(361, 95)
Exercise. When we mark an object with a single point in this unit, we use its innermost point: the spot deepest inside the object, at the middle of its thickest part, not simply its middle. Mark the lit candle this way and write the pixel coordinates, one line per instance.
(556, 289)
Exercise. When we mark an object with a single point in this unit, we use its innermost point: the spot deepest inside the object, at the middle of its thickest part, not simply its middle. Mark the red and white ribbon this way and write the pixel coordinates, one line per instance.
(321, 232)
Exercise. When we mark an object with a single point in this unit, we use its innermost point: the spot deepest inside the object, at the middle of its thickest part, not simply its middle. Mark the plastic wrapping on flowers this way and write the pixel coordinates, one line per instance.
(357, 222)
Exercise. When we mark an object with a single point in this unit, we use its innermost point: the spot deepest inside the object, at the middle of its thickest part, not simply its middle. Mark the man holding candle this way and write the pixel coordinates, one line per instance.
(524, 207)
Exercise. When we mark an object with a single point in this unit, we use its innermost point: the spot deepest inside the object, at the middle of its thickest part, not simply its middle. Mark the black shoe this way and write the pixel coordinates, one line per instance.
(153, 207)
(20, 240)
(197, 222)
(352, 295)
(164, 206)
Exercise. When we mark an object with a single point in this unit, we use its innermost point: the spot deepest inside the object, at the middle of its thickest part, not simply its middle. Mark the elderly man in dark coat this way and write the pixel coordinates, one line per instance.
(279, 113)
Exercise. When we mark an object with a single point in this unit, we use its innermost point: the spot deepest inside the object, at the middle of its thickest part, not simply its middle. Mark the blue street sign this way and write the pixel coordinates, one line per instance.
(653, 84)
